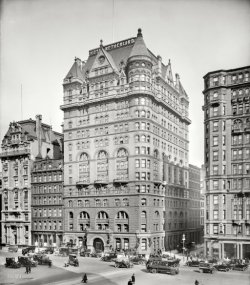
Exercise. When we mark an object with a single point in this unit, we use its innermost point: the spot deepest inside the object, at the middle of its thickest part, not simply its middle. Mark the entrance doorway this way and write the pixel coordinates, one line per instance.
(98, 244)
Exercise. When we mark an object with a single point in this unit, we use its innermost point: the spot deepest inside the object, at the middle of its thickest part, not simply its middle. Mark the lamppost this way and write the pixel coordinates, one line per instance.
(183, 243)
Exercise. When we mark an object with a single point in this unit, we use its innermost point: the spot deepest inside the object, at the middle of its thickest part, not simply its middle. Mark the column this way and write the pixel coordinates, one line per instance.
(18, 234)
(241, 250)
(8, 235)
(222, 250)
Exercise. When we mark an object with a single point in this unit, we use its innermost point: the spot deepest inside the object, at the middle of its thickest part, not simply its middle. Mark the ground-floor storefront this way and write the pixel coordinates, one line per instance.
(43, 239)
(16, 233)
(239, 249)
(140, 243)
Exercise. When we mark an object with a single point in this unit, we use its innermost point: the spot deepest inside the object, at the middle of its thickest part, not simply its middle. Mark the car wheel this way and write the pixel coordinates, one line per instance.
(153, 271)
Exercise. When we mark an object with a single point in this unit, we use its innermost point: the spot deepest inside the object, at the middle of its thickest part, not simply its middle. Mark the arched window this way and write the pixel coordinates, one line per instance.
(156, 153)
(71, 215)
(156, 214)
(122, 164)
(144, 202)
(84, 167)
(125, 202)
(70, 203)
(102, 215)
(84, 215)
(122, 215)
(143, 215)
(102, 165)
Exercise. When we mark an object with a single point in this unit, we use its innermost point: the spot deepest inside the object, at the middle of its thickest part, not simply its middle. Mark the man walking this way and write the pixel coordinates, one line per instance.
(133, 279)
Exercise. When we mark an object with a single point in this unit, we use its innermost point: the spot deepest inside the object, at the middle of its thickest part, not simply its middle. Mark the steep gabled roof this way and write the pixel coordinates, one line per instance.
(139, 48)
(75, 71)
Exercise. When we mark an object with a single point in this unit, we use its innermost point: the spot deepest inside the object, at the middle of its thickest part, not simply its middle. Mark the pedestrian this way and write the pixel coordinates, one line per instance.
(84, 278)
(27, 269)
(50, 263)
(133, 279)
(196, 282)
(130, 282)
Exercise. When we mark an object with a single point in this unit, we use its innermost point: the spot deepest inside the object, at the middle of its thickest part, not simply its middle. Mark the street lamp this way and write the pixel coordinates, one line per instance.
(183, 243)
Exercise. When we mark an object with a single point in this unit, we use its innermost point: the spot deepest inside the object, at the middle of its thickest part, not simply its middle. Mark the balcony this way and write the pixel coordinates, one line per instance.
(101, 181)
(83, 183)
(15, 153)
(237, 130)
(120, 180)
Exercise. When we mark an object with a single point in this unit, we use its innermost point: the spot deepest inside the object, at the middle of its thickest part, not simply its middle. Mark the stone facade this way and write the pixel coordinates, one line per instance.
(227, 163)
(23, 143)
(125, 120)
(47, 202)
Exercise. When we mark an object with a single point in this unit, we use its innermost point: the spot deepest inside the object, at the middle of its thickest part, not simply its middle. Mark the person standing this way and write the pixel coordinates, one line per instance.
(130, 282)
(29, 268)
(84, 278)
(133, 279)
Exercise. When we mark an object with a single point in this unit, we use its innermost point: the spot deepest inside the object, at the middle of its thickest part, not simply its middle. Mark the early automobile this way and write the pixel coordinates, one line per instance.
(27, 261)
(161, 267)
(11, 262)
(110, 256)
(240, 267)
(13, 248)
(73, 260)
(123, 263)
(206, 267)
(193, 263)
(85, 252)
(42, 259)
(138, 259)
(223, 267)
(28, 249)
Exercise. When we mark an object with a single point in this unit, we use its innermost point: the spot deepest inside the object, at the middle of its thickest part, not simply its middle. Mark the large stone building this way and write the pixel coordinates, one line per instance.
(47, 202)
(23, 143)
(125, 139)
(227, 162)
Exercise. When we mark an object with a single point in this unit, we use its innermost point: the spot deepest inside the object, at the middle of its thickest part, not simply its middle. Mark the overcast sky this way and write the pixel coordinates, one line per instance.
(40, 38)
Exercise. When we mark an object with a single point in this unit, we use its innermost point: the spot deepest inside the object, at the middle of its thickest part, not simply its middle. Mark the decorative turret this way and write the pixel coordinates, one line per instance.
(139, 65)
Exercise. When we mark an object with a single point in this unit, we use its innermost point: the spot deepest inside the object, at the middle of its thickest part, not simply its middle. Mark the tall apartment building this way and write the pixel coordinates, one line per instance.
(47, 202)
(227, 162)
(125, 120)
(194, 228)
(24, 142)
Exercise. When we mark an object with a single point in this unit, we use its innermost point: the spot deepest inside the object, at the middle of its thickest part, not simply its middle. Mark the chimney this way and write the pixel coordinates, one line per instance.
(39, 134)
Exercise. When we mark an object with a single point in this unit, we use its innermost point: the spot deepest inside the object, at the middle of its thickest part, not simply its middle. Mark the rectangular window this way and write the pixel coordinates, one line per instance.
(215, 155)
(215, 184)
(215, 141)
(216, 199)
(216, 212)
(143, 228)
(215, 126)
(215, 229)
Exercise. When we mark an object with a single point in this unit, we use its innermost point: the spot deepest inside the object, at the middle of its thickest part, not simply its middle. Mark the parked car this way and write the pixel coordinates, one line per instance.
(28, 249)
(85, 253)
(49, 250)
(193, 263)
(110, 256)
(27, 260)
(42, 259)
(206, 267)
(13, 248)
(11, 262)
(123, 264)
(223, 267)
(138, 259)
(161, 267)
(96, 254)
(240, 267)
(73, 260)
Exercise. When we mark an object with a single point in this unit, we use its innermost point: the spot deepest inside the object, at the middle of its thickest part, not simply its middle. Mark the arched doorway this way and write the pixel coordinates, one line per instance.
(98, 244)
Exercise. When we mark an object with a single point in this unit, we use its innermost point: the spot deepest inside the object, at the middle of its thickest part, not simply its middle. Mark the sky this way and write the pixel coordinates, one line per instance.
(40, 39)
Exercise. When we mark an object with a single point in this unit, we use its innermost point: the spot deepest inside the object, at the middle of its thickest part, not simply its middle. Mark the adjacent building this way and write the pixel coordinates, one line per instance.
(47, 202)
(24, 142)
(227, 162)
(125, 148)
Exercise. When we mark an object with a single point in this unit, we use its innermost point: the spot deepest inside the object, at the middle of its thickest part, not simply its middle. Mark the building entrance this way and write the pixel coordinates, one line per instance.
(98, 244)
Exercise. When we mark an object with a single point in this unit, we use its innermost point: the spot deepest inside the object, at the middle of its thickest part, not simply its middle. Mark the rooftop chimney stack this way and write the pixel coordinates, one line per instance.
(39, 134)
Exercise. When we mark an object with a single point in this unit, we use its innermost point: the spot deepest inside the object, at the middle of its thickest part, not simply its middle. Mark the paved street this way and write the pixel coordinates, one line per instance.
(102, 273)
